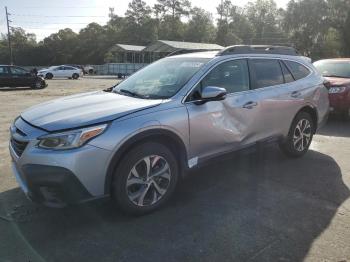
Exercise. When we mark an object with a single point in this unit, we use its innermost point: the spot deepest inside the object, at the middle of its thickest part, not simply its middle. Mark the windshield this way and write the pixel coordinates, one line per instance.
(162, 79)
(334, 68)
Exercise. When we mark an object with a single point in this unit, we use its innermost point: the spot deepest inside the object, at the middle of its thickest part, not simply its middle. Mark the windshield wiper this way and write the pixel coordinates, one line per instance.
(131, 93)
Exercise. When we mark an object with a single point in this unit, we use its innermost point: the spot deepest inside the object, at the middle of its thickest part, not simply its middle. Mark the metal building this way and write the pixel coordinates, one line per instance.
(162, 48)
(121, 53)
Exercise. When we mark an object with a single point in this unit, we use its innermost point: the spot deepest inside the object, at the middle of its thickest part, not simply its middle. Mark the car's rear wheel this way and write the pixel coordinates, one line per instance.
(75, 76)
(145, 178)
(48, 76)
(299, 138)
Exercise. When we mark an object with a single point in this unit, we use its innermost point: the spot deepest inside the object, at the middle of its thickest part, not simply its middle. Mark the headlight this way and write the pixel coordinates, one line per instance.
(70, 139)
(336, 89)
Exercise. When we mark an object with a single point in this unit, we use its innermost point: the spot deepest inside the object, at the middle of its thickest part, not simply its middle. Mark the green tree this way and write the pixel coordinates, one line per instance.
(263, 16)
(200, 27)
(92, 45)
(169, 14)
(339, 17)
(61, 46)
(139, 27)
(307, 24)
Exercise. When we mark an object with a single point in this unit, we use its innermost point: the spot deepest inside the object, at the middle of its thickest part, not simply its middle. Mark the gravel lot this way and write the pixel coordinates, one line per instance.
(251, 206)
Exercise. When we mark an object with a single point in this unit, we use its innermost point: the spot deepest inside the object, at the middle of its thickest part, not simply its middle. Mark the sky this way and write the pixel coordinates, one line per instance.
(46, 17)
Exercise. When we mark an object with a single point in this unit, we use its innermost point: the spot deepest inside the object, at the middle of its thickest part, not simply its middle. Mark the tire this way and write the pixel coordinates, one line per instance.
(48, 76)
(297, 143)
(39, 84)
(91, 71)
(75, 76)
(138, 193)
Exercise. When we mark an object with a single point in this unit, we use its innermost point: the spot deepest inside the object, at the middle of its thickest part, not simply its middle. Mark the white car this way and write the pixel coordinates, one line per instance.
(89, 69)
(61, 71)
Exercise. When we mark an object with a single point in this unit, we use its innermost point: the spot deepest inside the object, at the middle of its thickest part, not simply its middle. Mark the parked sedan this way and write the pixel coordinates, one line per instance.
(337, 72)
(14, 76)
(62, 71)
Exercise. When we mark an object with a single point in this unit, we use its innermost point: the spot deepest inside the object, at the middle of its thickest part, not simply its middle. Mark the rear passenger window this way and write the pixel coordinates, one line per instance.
(266, 72)
(298, 70)
(286, 73)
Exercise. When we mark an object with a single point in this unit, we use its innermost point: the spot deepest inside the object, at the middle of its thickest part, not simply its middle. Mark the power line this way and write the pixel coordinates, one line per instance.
(59, 15)
(55, 7)
(52, 23)
(45, 28)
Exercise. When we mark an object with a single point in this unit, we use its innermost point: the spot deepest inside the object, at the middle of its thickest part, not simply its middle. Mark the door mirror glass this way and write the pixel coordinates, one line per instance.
(213, 93)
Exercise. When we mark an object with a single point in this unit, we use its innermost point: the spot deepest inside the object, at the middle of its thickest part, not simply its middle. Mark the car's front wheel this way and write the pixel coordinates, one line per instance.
(299, 138)
(75, 76)
(39, 84)
(145, 178)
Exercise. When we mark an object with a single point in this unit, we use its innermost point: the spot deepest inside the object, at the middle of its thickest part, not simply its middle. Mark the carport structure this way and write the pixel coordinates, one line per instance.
(126, 53)
(162, 48)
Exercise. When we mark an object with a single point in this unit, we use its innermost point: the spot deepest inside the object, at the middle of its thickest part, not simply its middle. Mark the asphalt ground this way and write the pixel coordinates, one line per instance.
(256, 205)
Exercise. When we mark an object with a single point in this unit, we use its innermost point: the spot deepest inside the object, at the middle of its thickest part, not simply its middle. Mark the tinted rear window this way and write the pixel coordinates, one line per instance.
(3, 70)
(266, 72)
(288, 77)
(298, 70)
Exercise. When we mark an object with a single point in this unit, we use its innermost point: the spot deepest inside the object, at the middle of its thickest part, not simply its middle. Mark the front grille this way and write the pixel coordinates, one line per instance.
(18, 146)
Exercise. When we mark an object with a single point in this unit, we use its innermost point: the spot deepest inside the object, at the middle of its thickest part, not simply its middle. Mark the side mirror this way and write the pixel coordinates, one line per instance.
(212, 93)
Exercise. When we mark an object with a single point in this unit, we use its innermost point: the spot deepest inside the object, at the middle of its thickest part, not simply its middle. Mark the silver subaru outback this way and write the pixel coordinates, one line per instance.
(135, 141)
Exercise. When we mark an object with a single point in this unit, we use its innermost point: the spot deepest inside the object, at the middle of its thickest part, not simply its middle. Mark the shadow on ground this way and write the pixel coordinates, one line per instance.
(336, 127)
(257, 207)
(10, 89)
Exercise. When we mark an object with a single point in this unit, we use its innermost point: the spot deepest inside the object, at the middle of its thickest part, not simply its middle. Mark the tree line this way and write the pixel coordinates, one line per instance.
(318, 28)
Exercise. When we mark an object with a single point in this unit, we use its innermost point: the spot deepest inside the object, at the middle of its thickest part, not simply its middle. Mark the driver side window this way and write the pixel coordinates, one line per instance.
(232, 75)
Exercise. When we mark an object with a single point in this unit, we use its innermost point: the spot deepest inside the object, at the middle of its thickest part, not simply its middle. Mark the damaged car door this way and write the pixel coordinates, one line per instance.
(227, 124)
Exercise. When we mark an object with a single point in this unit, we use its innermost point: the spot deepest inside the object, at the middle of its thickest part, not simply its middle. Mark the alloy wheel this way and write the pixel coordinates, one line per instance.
(302, 135)
(38, 84)
(148, 180)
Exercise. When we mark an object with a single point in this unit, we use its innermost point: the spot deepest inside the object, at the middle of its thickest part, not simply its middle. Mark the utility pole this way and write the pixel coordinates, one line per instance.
(9, 35)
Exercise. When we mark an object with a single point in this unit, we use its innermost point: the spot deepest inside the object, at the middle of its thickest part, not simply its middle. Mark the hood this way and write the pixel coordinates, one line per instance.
(83, 110)
(338, 81)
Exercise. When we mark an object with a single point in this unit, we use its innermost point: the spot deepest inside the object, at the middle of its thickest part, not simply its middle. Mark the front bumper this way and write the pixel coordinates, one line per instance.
(57, 178)
(340, 102)
(50, 185)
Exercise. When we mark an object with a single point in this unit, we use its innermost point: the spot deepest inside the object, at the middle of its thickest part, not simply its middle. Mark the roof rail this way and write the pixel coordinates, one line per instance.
(188, 51)
(258, 49)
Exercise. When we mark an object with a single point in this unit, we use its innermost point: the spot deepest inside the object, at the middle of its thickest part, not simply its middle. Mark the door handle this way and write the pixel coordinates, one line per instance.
(295, 94)
(250, 105)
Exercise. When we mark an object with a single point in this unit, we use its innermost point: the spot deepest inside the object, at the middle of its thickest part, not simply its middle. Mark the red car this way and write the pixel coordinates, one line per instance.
(337, 72)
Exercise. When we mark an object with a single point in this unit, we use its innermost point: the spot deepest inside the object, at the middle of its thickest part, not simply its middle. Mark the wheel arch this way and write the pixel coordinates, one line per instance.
(163, 136)
(313, 113)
